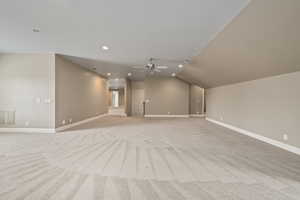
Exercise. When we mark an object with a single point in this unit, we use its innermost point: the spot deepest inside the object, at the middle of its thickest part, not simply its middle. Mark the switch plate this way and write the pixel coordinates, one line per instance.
(38, 100)
(47, 101)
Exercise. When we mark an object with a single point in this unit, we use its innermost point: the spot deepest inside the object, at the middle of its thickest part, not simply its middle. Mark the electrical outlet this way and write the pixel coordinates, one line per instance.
(38, 100)
(70, 120)
(285, 137)
(198, 112)
(169, 113)
(63, 122)
(47, 101)
(27, 123)
(221, 118)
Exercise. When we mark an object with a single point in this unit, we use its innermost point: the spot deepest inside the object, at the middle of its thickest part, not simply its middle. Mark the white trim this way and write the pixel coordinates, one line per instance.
(167, 116)
(27, 130)
(276, 143)
(118, 114)
(197, 115)
(79, 123)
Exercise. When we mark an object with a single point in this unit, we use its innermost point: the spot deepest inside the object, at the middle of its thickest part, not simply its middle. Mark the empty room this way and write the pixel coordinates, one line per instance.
(150, 100)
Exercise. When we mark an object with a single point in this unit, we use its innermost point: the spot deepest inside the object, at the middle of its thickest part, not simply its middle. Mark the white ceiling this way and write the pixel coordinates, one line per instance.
(133, 30)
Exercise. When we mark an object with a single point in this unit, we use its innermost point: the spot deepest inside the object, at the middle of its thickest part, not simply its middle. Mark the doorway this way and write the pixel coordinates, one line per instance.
(115, 99)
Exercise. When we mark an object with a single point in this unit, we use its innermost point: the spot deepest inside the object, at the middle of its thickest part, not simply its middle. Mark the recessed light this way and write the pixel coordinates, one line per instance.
(129, 74)
(108, 74)
(180, 66)
(105, 48)
(173, 74)
(36, 30)
(116, 79)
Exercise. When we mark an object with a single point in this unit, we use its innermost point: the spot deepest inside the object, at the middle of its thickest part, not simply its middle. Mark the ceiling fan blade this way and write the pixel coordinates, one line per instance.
(138, 67)
(162, 67)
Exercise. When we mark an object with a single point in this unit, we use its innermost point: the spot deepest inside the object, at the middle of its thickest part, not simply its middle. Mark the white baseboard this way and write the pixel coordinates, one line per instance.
(276, 143)
(197, 115)
(185, 116)
(27, 130)
(117, 114)
(45, 130)
(79, 123)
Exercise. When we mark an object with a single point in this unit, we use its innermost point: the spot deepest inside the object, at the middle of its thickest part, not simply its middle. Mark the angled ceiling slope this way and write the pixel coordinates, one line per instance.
(264, 40)
(133, 30)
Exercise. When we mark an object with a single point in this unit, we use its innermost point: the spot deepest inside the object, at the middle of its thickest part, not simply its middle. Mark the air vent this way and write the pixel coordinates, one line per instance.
(7, 117)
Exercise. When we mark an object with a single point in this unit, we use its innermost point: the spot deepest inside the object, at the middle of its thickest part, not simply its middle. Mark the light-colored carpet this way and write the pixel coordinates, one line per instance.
(118, 158)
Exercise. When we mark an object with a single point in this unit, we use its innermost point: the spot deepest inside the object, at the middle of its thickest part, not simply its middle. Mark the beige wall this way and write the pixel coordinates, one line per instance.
(166, 96)
(80, 93)
(262, 41)
(27, 86)
(128, 96)
(269, 107)
(137, 97)
(196, 99)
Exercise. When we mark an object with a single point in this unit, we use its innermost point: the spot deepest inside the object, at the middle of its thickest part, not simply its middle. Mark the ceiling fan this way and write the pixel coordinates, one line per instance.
(151, 67)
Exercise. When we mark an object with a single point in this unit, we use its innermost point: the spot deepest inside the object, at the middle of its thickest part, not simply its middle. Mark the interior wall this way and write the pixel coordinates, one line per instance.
(138, 97)
(262, 41)
(80, 93)
(166, 96)
(128, 97)
(269, 107)
(196, 100)
(26, 87)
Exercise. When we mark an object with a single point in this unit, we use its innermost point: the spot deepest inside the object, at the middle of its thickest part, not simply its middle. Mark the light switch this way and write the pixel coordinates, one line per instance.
(47, 101)
(38, 100)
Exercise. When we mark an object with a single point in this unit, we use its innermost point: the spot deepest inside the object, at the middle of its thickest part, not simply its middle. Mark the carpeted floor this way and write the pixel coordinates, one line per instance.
(117, 158)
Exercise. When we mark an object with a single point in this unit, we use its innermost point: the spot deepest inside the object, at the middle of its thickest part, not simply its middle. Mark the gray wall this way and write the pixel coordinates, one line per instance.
(269, 107)
(80, 93)
(27, 86)
(167, 96)
(196, 99)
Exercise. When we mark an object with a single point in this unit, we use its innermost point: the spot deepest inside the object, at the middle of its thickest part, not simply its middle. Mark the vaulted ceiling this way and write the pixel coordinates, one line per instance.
(133, 30)
(264, 40)
(228, 41)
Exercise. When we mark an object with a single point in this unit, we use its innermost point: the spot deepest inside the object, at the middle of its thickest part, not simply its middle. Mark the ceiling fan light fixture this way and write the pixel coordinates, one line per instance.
(36, 30)
(105, 48)
(180, 66)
